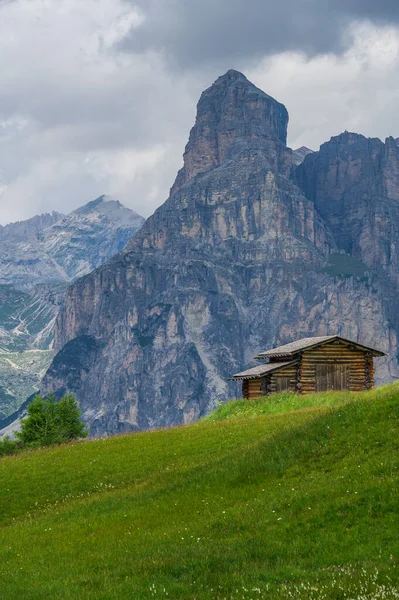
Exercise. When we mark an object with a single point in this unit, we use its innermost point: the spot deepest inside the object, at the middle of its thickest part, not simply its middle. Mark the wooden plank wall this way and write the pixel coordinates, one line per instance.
(369, 364)
(254, 388)
(289, 376)
(335, 354)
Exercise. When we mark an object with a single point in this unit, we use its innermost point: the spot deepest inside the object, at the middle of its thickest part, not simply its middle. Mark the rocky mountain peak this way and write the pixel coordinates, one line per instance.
(299, 155)
(90, 207)
(354, 183)
(232, 75)
(108, 208)
(233, 117)
(54, 248)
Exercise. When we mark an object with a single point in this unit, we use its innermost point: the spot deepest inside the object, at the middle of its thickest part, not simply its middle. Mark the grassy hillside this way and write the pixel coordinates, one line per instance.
(278, 501)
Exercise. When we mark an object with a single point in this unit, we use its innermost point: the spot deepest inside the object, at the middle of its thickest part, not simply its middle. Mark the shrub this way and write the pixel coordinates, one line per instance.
(8, 446)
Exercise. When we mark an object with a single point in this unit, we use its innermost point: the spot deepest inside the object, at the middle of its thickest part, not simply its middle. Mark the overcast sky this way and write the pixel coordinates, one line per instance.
(98, 96)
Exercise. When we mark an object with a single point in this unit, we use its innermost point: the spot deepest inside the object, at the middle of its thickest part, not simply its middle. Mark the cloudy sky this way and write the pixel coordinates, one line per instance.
(98, 96)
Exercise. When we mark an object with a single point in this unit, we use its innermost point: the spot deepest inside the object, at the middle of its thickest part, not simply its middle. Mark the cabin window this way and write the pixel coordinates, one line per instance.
(332, 377)
(282, 384)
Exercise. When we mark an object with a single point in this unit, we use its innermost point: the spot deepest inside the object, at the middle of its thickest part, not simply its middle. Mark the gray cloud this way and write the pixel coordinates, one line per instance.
(76, 119)
(227, 32)
(98, 97)
(382, 11)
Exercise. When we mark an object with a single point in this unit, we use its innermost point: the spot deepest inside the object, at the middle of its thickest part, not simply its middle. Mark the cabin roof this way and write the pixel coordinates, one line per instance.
(261, 370)
(289, 350)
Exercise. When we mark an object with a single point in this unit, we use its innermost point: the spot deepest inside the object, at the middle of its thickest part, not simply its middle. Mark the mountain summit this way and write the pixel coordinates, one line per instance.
(90, 235)
(237, 260)
(233, 116)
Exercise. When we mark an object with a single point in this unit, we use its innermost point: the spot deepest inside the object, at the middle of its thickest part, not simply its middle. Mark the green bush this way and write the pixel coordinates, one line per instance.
(8, 446)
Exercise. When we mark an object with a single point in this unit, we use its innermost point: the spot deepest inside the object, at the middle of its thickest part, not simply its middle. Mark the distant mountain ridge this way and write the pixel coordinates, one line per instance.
(59, 248)
(30, 226)
(39, 257)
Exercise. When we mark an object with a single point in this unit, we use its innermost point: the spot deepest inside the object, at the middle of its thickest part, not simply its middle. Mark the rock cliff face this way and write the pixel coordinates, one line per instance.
(238, 259)
(354, 184)
(234, 117)
(38, 258)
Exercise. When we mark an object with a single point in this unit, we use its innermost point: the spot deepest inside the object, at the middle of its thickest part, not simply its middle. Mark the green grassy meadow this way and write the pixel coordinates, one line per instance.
(278, 498)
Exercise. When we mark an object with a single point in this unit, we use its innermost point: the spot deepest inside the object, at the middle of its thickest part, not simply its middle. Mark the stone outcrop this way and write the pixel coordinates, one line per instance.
(234, 117)
(235, 261)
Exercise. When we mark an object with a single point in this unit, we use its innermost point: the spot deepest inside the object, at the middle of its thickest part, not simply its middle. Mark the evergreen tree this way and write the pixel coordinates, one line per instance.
(68, 412)
(51, 422)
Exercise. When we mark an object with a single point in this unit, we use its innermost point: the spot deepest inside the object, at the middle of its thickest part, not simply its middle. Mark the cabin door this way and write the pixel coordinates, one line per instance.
(332, 377)
(282, 384)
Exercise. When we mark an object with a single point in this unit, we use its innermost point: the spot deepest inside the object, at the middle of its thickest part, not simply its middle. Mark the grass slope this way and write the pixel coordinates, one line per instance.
(293, 497)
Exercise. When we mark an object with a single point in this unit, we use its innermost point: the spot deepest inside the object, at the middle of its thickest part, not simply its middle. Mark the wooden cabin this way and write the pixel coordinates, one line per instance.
(315, 364)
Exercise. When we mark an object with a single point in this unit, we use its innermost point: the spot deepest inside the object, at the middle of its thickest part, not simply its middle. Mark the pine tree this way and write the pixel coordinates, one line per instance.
(69, 425)
(51, 422)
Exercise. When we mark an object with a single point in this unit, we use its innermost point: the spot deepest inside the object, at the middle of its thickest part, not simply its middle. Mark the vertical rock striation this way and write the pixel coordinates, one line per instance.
(237, 259)
(354, 184)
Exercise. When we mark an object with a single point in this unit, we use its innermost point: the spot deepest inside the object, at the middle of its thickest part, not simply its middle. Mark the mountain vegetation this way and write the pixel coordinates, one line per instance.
(278, 498)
